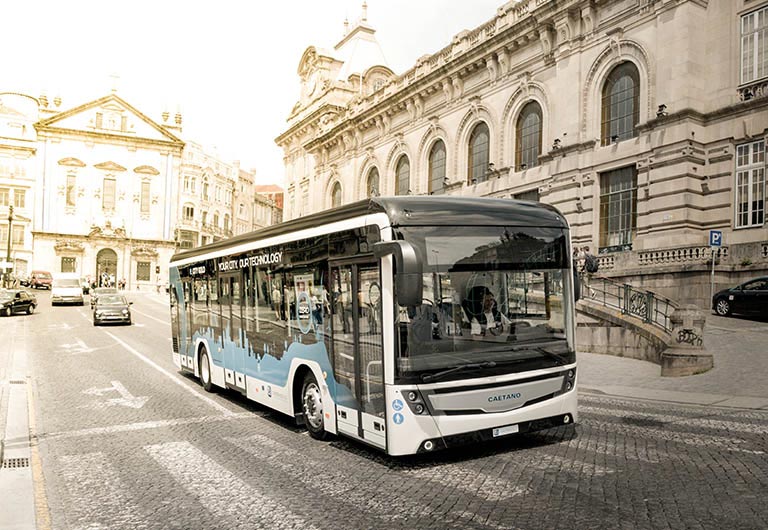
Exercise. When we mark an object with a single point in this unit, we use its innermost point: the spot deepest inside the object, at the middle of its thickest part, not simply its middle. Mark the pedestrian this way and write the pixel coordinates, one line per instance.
(590, 266)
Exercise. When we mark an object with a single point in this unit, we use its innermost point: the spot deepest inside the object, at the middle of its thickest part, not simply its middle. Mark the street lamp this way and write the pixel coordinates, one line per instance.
(8, 266)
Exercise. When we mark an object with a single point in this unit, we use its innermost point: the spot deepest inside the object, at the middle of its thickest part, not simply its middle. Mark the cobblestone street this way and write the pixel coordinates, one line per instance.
(166, 455)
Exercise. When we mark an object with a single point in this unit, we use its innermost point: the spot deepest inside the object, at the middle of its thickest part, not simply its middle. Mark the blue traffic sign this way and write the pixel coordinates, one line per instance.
(715, 238)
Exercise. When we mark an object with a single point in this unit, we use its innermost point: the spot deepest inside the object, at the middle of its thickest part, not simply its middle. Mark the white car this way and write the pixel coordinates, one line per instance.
(66, 289)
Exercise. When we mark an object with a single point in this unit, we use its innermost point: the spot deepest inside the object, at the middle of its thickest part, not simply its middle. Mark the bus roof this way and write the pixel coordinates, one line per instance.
(408, 210)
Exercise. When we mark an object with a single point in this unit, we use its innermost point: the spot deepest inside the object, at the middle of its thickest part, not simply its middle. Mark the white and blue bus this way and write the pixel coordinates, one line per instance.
(409, 323)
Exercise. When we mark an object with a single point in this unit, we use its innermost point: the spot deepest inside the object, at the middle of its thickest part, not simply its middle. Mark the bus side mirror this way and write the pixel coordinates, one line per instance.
(409, 282)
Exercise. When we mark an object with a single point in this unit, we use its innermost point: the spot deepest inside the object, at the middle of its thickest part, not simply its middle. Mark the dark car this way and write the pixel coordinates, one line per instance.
(16, 301)
(749, 298)
(98, 291)
(111, 308)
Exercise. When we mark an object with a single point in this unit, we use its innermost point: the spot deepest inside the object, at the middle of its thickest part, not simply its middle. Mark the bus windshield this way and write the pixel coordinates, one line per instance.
(492, 303)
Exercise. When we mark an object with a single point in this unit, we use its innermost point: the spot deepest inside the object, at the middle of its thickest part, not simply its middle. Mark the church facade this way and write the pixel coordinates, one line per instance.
(643, 121)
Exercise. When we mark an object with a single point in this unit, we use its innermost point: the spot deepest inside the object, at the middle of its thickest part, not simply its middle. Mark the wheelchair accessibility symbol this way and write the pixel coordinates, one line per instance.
(397, 404)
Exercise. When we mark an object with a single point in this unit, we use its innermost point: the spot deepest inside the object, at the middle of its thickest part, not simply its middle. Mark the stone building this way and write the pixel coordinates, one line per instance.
(643, 121)
(18, 113)
(103, 189)
(106, 175)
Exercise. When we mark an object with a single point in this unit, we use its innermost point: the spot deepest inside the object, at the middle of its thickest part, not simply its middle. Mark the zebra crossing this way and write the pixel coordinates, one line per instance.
(265, 475)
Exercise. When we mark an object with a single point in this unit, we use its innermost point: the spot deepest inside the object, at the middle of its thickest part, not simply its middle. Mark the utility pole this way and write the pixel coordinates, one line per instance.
(8, 266)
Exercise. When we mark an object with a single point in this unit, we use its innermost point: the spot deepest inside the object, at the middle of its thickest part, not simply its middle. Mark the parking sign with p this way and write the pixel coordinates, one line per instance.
(715, 238)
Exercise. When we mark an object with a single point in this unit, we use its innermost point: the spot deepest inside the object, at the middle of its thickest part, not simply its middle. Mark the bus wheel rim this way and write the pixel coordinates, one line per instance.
(205, 369)
(313, 406)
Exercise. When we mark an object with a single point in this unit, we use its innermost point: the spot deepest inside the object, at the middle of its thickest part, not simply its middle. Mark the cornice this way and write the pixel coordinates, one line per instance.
(52, 132)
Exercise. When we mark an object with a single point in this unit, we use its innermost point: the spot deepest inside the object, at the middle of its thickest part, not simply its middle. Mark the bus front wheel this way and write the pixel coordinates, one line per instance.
(205, 371)
(312, 405)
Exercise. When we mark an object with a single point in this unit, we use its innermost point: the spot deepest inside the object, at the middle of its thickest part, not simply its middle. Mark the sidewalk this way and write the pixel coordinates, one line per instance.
(738, 380)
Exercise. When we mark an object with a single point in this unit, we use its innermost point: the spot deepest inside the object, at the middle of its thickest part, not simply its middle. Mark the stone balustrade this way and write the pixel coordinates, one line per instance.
(697, 254)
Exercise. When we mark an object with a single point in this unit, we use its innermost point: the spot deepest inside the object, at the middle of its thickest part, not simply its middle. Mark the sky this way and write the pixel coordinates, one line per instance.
(228, 66)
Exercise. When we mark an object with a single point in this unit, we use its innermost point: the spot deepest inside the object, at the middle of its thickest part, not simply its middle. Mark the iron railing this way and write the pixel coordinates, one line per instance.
(639, 303)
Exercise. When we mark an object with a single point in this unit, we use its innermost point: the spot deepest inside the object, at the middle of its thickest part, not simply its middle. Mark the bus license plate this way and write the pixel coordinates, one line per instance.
(501, 431)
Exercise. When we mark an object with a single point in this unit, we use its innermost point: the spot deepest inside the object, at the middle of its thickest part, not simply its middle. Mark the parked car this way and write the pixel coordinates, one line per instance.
(16, 301)
(40, 280)
(112, 308)
(749, 298)
(66, 289)
(98, 291)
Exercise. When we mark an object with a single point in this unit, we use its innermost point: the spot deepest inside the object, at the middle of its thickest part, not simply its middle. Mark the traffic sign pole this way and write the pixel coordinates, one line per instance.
(715, 241)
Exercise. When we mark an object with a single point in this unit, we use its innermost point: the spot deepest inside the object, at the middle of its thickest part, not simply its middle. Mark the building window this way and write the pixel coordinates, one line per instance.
(750, 184)
(336, 195)
(145, 197)
(528, 136)
(18, 235)
(68, 264)
(5, 196)
(618, 208)
(437, 167)
(226, 222)
(142, 271)
(402, 176)
(19, 198)
(71, 189)
(189, 212)
(205, 190)
(372, 183)
(754, 45)
(216, 219)
(478, 153)
(186, 183)
(621, 103)
(99, 120)
(530, 195)
(110, 192)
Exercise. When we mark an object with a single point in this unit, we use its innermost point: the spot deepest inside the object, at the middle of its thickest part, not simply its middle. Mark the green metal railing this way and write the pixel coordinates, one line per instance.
(639, 303)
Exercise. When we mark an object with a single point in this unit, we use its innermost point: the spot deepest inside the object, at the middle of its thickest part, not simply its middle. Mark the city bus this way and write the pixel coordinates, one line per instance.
(409, 323)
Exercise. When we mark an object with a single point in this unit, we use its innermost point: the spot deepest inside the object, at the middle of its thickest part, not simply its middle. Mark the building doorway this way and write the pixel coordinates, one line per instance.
(106, 267)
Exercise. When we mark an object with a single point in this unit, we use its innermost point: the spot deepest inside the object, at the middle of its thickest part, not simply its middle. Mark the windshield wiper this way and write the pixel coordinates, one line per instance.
(557, 358)
(467, 366)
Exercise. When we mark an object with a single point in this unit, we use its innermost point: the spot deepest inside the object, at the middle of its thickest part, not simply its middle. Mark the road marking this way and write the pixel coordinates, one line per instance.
(145, 425)
(657, 434)
(173, 377)
(126, 399)
(222, 492)
(700, 422)
(335, 482)
(77, 347)
(166, 322)
(92, 481)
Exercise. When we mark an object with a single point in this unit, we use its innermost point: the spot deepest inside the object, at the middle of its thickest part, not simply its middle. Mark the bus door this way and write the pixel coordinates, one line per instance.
(357, 351)
(231, 329)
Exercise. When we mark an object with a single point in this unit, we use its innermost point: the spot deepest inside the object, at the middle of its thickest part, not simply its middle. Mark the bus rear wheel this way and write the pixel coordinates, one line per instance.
(312, 405)
(205, 371)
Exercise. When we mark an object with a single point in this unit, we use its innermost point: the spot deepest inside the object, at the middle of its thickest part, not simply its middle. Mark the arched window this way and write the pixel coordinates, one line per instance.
(205, 189)
(216, 220)
(437, 167)
(528, 136)
(372, 183)
(226, 222)
(402, 176)
(478, 153)
(621, 103)
(336, 196)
